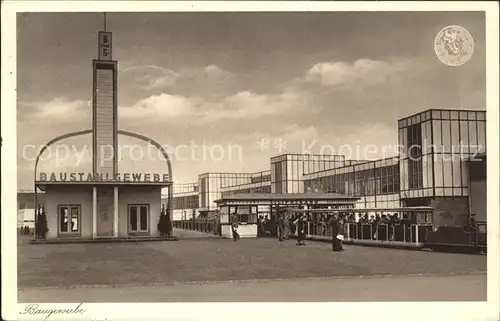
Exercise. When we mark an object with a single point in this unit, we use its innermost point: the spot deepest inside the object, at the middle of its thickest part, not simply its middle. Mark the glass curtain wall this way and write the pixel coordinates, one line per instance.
(185, 201)
(260, 182)
(458, 135)
(212, 185)
(434, 147)
(287, 170)
(375, 182)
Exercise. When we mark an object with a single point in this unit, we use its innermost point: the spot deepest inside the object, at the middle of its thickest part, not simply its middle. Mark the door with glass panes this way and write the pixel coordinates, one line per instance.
(69, 220)
(138, 219)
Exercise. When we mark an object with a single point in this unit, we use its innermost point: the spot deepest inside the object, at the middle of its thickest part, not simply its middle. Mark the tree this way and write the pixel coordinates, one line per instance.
(41, 226)
(164, 225)
(168, 220)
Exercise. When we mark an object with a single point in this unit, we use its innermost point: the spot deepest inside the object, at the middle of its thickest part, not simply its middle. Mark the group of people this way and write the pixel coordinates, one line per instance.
(299, 223)
(25, 230)
(375, 221)
(287, 224)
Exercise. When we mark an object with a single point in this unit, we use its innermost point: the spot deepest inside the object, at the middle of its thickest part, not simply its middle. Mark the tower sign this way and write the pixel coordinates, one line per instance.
(104, 45)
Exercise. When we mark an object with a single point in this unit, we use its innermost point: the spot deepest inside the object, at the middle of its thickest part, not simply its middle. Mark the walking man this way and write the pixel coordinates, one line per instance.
(234, 228)
(287, 225)
(281, 226)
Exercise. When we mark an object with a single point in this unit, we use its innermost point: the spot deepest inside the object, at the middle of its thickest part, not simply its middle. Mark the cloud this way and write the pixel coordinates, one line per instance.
(364, 72)
(153, 77)
(249, 105)
(244, 105)
(55, 109)
(213, 70)
(159, 107)
(150, 77)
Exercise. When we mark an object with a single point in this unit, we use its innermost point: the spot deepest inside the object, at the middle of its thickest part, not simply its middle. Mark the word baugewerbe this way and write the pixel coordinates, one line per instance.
(92, 177)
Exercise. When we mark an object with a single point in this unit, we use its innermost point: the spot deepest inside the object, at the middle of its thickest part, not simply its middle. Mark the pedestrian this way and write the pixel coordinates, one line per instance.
(336, 234)
(301, 227)
(293, 224)
(471, 223)
(234, 227)
(281, 226)
(287, 225)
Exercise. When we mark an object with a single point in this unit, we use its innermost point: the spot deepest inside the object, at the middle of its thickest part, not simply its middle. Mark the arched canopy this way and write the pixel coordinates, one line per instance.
(120, 132)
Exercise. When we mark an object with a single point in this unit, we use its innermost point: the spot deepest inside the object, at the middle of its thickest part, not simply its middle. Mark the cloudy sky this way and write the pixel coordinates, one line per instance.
(225, 91)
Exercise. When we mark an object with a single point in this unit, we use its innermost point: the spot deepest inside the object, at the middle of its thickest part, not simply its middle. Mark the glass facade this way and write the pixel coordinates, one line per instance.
(260, 182)
(375, 182)
(212, 184)
(287, 170)
(263, 187)
(185, 201)
(434, 146)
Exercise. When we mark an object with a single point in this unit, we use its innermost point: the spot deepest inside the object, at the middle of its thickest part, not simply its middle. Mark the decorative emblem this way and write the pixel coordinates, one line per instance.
(454, 45)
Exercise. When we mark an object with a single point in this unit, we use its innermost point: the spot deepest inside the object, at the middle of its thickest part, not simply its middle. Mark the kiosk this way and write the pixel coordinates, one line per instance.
(246, 208)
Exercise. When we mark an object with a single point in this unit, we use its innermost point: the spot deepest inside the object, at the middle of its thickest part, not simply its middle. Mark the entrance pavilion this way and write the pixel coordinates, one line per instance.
(105, 203)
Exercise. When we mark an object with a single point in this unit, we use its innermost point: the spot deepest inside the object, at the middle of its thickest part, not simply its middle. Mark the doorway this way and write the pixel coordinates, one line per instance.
(105, 211)
(138, 219)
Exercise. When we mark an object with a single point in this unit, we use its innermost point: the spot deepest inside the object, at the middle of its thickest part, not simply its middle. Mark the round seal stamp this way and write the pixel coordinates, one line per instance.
(454, 45)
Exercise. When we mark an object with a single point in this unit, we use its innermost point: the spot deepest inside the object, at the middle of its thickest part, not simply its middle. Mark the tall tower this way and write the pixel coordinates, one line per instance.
(105, 108)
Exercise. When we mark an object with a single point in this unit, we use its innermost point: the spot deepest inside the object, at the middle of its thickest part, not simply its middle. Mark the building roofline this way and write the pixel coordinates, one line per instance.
(192, 183)
(286, 196)
(370, 161)
(236, 173)
(441, 109)
(298, 154)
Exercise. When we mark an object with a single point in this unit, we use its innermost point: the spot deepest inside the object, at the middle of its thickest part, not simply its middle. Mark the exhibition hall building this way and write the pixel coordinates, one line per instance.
(441, 163)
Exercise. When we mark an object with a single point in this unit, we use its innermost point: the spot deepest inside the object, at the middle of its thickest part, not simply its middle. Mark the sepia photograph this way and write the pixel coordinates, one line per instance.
(187, 156)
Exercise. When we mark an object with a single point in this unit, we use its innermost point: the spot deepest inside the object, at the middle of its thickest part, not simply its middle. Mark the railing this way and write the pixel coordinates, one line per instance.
(413, 233)
(204, 225)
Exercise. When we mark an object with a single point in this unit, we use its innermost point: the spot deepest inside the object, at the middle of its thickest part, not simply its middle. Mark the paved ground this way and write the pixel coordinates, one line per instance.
(162, 270)
(193, 234)
(395, 288)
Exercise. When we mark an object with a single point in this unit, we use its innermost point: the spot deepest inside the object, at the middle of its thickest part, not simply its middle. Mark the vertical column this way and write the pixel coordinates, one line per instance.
(94, 212)
(115, 211)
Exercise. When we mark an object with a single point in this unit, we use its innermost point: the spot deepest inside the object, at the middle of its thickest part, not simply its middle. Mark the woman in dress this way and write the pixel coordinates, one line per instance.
(336, 231)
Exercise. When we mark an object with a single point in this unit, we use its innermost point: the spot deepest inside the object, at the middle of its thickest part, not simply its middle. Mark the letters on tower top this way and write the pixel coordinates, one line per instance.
(105, 48)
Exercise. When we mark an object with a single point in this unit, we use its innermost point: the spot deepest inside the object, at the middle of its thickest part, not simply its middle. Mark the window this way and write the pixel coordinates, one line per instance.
(243, 214)
(138, 218)
(203, 191)
(414, 134)
(415, 175)
(69, 217)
